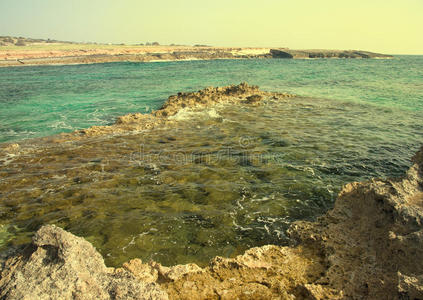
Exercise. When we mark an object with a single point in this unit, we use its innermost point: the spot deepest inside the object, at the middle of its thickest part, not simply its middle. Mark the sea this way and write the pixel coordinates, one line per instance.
(218, 181)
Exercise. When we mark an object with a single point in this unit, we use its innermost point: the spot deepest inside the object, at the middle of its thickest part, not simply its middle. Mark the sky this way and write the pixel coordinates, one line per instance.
(388, 26)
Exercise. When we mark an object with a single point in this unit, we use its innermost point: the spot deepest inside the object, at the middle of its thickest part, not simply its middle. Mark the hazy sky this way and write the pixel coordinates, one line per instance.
(389, 26)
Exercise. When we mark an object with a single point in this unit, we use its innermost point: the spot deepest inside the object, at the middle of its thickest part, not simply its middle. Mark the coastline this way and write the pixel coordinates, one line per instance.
(58, 54)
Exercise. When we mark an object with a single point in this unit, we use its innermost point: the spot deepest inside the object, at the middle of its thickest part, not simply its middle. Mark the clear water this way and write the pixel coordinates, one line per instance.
(45, 100)
(219, 180)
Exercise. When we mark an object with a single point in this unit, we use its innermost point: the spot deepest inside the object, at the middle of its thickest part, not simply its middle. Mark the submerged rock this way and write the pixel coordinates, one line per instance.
(370, 246)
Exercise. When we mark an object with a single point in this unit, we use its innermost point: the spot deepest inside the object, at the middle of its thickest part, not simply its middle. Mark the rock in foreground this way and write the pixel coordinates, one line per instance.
(370, 246)
(59, 265)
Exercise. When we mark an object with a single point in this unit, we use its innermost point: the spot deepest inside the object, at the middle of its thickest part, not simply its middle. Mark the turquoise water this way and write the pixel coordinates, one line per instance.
(45, 100)
(219, 180)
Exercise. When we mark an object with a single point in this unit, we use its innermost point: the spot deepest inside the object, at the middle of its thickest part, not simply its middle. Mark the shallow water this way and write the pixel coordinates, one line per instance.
(218, 181)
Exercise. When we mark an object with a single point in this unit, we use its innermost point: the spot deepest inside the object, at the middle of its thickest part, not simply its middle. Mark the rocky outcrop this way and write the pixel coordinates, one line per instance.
(370, 246)
(59, 265)
(242, 94)
(233, 94)
(372, 241)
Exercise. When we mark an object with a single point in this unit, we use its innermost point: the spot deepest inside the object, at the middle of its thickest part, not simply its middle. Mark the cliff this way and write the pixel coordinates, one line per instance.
(370, 246)
(23, 51)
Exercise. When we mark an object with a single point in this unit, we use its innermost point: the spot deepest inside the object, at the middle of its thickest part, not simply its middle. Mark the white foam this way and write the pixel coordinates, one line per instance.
(61, 125)
(189, 114)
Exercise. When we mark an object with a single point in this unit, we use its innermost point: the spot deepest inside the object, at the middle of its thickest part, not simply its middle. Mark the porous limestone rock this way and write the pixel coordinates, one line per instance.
(372, 240)
(59, 265)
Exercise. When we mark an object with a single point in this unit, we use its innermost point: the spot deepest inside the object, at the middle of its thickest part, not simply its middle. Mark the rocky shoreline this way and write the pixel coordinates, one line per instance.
(96, 54)
(370, 246)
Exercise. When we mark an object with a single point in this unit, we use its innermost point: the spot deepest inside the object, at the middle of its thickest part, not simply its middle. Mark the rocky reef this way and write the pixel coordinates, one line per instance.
(369, 246)
(242, 94)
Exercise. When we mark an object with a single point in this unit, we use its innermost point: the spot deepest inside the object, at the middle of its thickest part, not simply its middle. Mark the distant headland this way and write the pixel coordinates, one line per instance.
(19, 51)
